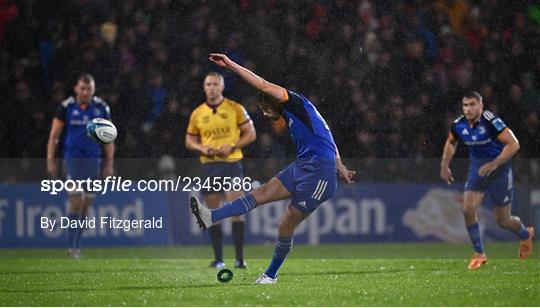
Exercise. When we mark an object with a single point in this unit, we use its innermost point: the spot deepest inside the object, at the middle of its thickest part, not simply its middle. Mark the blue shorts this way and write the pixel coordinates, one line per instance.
(498, 186)
(311, 181)
(220, 170)
(82, 168)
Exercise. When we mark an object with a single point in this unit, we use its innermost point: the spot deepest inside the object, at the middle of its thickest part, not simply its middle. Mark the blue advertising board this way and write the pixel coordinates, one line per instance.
(365, 212)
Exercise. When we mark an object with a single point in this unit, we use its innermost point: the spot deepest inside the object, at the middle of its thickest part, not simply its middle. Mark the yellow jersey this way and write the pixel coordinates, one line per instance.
(218, 125)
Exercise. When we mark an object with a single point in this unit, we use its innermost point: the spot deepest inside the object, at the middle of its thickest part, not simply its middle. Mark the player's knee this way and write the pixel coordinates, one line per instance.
(469, 210)
(262, 194)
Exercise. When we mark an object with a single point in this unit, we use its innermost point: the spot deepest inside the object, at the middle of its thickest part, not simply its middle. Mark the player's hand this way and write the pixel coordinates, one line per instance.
(52, 168)
(487, 169)
(446, 175)
(345, 173)
(221, 60)
(225, 150)
(108, 170)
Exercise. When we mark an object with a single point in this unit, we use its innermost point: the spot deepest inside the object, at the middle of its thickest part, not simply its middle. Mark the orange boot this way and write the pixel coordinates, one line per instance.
(525, 246)
(478, 259)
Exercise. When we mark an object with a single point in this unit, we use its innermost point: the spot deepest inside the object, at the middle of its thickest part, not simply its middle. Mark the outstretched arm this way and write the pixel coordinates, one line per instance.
(271, 89)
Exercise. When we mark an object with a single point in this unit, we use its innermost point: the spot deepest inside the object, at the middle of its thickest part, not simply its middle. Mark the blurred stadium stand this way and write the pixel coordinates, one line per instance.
(388, 75)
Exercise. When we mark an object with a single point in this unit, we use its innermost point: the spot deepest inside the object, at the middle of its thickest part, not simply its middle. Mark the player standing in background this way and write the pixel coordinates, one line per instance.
(308, 181)
(219, 128)
(82, 155)
(491, 145)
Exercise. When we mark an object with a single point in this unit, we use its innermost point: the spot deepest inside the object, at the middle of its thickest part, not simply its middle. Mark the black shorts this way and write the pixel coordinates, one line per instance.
(221, 172)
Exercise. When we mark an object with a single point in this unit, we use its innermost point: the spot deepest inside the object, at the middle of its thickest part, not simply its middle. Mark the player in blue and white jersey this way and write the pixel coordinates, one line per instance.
(491, 145)
(82, 155)
(308, 181)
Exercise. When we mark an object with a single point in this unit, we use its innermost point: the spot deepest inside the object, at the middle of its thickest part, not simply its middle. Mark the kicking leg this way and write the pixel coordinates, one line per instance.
(288, 223)
(471, 203)
(271, 191)
(215, 231)
(514, 224)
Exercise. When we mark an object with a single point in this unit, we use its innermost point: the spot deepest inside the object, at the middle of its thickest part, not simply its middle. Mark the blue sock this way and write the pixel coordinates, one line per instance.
(79, 234)
(237, 207)
(523, 233)
(72, 232)
(283, 246)
(474, 234)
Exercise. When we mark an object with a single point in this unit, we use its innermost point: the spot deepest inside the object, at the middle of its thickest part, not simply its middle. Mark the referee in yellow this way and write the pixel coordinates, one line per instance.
(218, 129)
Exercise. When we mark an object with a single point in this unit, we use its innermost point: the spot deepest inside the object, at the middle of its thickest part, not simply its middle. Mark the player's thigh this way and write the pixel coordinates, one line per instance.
(290, 219)
(213, 200)
(500, 189)
(472, 200)
(273, 190)
(314, 182)
(313, 189)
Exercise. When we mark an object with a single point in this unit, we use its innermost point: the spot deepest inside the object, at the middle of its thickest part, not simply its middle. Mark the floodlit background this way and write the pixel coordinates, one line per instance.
(388, 76)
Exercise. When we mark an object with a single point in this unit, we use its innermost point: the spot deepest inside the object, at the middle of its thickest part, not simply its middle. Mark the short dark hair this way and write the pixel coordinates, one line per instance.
(86, 78)
(269, 100)
(216, 74)
(473, 94)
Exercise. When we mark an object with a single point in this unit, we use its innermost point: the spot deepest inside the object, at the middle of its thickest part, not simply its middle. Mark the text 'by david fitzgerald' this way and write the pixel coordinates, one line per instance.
(101, 223)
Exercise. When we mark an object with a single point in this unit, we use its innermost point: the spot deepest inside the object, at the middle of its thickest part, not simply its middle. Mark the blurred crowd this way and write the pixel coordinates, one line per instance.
(387, 75)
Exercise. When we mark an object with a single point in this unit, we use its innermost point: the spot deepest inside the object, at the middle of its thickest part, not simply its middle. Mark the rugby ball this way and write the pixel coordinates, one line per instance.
(101, 130)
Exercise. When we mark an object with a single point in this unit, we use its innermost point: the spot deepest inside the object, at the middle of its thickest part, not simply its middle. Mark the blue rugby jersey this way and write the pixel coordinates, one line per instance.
(307, 127)
(76, 142)
(481, 139)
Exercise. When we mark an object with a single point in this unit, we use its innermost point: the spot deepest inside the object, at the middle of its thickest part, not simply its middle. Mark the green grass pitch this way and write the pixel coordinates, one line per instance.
(326, 275)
